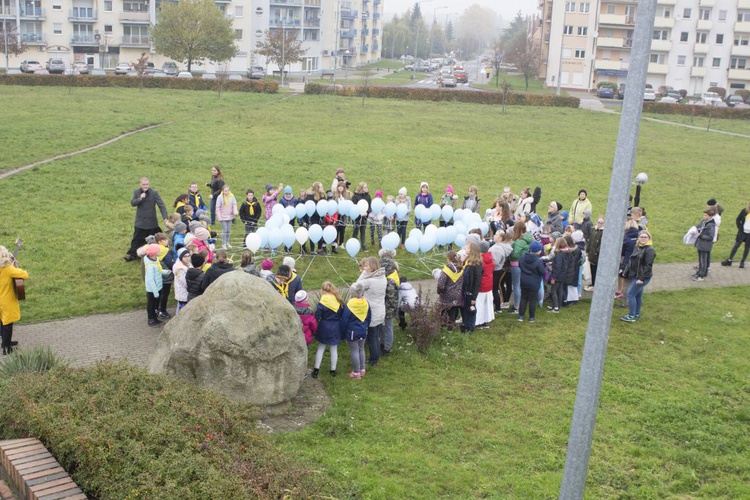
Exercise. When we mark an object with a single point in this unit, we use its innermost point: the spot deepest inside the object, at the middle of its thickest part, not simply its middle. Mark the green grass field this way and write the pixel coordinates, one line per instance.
(484, 416)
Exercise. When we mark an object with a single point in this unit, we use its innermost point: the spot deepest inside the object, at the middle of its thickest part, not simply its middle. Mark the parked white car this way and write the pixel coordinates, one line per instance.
(711, 97)
(649, 95)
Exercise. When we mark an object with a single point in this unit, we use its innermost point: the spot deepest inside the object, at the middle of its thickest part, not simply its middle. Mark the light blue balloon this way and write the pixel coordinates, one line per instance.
(275, 221)
(354, 211)
(333, 207)
(426, 215)
(412, 245)
(427, 242)
(300, 210)
(345, 206)
(485, 228)
(460, 240)
(458, 214)
(291, 212)
(275, 238)
(309, 207)
(352, 247)
(451, 236)
(322, 207)
(277, 209)
(263, 233)
(390, 209)
(415, 233)
(418, 211)
(447, 213)
(441, 236)
(460, 227)
(402, 210)
(390, 241)
(377, 205)
(288, 235)
(315, 232)
(435, 211)
(329, 234)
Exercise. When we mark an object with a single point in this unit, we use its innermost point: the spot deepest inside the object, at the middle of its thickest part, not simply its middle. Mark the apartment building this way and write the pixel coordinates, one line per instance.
(695, 44)
(104, 32)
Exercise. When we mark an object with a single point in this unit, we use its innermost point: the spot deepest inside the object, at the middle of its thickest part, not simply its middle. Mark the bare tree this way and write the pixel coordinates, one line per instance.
(522, 53)
(140, 66)
(10, 42)
(282, 47)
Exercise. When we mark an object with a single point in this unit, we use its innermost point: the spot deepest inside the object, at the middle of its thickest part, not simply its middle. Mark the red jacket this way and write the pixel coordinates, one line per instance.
(488, 266)
(332, 220)
(307, 316)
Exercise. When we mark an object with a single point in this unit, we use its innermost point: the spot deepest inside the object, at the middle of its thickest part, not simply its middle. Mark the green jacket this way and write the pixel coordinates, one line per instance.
(521, 246)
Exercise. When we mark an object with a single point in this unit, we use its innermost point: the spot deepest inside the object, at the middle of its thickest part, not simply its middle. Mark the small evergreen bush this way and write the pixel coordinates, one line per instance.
(35, 360)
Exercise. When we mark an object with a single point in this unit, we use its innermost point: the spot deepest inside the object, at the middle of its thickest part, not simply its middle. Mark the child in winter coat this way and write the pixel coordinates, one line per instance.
(704, 243)
(153, 274)
(449, 286)
(250, 213)
(269, 199)
(226, 211)
(266, 270)
(179, 271)
(393, 281)
(376, 220)
(306, 315)
(355, 320)
(485, 306)
(328, 334)
(166, 259)
(194, 276)
(532, 274)
(558, 273)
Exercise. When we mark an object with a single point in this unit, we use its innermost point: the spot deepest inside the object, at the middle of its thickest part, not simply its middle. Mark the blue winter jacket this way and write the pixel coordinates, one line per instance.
(532, 271)
(351, 328)
(329, 322)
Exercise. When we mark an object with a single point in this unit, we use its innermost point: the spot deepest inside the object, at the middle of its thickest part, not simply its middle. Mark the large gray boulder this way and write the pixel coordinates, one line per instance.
(241, 337)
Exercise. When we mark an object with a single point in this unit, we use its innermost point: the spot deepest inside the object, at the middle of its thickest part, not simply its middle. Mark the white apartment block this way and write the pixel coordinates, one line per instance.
(102, 33)
(695, 44)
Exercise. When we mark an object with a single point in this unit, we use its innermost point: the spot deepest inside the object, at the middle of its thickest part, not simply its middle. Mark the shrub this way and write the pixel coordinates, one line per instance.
(611, 85)
(745, 93)
(265, 86)
(429, 94)
(684, 109)
(424, 322)
(719, 90)
(124, 433)
(35, 360)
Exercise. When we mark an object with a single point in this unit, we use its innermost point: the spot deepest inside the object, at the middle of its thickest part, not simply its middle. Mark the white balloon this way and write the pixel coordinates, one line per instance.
(402, 210)
(263, 233)
(345, 206)
(310, 207)
(329, 234)
(460, 227)
(300, 210)
(253, 241)
(390, 241)
(485, 228)
(284, 219)
(412, 245)
(415, 234)
(427, 242)
(418, 210)
(352, 247)
(390, 209)
(447, 213)
(301, 235)
(363, 207)
(377, 205)
(287, 233)
(333, 207)
(354, 211)
(451, 235)
(460, 240)
(441, 236)
(431, 229)
(277, 208)
(435, 210)
(290, 212)
(315, 233)
(322, 207)
(275, 238)
(458, 214)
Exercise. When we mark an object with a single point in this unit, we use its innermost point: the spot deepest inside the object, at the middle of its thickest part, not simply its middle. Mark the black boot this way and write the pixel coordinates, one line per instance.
(315, 372)
(333, 373)
(727, 262)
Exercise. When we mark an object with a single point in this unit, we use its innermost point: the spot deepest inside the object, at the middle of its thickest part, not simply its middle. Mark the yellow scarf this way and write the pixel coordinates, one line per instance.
(179, 205)
(251, 206)
(359, 308)
(453, 275)
(226, 197)
(329, 301)
(163, 251)
(395, 277)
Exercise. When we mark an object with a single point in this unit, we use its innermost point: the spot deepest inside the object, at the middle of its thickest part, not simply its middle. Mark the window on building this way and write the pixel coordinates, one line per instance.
(719, 39)
(661, 35)
(684, 36)
(135, 6)
(687, 12)
(57, 28)
(309, 64)
(681, 60)
(699, 61)
(743, 16)
(566, 53)
(584, 7)
(666, 13)
(57, 7)
(83, 32)
(107, 5)
(716, 63)
(739, 63)
(741, 40)
(107, 29)
(610, 8)
(701, 37)
(722, 15)
(238, 11)
(657, 58)
(583, 30)
(704, 14)
(570, 6)
(238, 34)
(567, 29)
(135, 33)
(580, 54)
(312, 35)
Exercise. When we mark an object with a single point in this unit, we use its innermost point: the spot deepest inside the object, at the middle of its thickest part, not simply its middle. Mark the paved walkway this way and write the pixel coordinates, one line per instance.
(88, 339)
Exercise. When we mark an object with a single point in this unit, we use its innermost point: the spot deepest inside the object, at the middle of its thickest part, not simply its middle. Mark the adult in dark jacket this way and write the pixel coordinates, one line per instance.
(450, 287)
(145, 200)
(593, 248)
(360, 223)
(472, 279)
(220, 265)
(216, 184)
(640, 271)
(555, 218)
(628, 244)
(704, 243)
(532, 274)
(194, 276)
(558, 273)
(743, 236)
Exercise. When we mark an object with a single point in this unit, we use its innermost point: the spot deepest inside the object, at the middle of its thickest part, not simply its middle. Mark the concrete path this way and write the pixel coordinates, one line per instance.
(88, 339)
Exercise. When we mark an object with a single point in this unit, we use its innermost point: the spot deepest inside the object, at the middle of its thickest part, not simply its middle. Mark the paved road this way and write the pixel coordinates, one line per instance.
(88, 339)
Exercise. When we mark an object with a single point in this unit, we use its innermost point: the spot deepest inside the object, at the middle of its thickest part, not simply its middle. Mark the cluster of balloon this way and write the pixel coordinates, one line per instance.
(278, 230)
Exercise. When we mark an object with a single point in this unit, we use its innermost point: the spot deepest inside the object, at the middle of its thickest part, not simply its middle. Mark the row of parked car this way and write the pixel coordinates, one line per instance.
(673, 96)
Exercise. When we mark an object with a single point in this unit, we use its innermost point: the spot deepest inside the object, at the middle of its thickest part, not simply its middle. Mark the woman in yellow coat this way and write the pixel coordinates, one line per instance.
(10, 310)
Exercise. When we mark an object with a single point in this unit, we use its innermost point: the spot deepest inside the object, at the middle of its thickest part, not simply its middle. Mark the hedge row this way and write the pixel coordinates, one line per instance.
(261, 86)
(693, 110)
(430, 94)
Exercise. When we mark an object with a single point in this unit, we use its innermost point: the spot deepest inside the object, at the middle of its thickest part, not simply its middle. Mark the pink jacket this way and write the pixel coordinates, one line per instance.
(309, 323)
(226, 211)
(269, 200)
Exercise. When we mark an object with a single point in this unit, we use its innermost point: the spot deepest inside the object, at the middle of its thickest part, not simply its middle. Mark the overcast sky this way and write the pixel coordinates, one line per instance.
(505, 8)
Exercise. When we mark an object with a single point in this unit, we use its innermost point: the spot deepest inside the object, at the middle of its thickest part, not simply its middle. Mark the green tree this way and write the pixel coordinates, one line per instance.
(282, 47)
(524, 54)
(193, 31)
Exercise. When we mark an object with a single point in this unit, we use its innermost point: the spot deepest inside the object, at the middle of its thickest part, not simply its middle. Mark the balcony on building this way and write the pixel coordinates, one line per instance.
(135, 41)
(663, 22)
(348, 13)
(666, 2)
(82, 15)
(33, 13)
(611, 65)
(696, 71)
(376, 2)
(739, 74)
(742, 27)
(312, 23)
(365, 14)
(616, 20)
(312, 3)
(700, 48)
(347, 33)
(376, 32)
(617, 43)
(658, 69)
(704, 25)
(286, 2)
(7, 11)
(661, 45)
(33, 39)
(376, 16)
(134, 17)
(741, 50)
(284, 23)
(84, 41)
(707, 3)
(743, 4)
